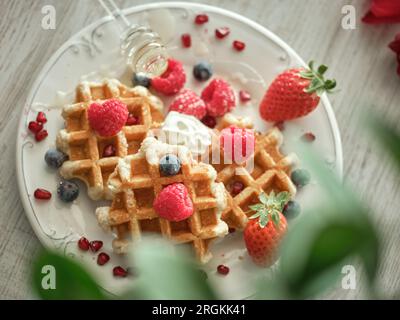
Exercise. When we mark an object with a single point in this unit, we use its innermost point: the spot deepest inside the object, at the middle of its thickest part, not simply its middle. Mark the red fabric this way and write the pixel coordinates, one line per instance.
(395, 46)
(383, 11)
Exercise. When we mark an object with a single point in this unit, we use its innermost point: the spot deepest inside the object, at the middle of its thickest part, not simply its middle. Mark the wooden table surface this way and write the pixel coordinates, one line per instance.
(359, 59)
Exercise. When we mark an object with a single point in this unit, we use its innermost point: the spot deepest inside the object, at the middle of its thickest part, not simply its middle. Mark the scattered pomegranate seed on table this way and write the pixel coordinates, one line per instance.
(109, 151)
(35, 127)
(42, 194)
(209, 121)
(201, 19)
(119, 272)
(41, 117)
(41, 135)
(222, 269)
(96, 245)
(102, 258)
(222, 32)
(308, 137)
(239, 45)
(237, 187)
(280, 125)
(244, 96)
(132, 120)
(83, 244)
(186, 40)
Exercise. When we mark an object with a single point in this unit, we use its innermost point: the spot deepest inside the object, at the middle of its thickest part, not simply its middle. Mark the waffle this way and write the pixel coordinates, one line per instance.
(85, 149)
(136, 182)
(270, 171)
(232, 120)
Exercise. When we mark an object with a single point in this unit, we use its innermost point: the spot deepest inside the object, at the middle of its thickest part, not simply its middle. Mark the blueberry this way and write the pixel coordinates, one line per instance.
(170, 165)
(202, 71)
(140, 79)
(291, 210)
(55, 158)
(68, 191)
(300, 177)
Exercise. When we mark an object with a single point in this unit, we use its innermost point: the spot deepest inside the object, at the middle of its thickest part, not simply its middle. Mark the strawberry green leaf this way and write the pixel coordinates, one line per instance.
(256, 215)
(263, 198)
(263, 221)
(256, 207)
(275, 217)
(322, 69)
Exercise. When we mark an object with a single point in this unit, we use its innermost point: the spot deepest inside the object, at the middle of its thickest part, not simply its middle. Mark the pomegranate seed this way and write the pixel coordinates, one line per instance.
(102, 258)
(41, 135)
(186, 40)
(132, 120)
(221, 33)
(308, 137)
(96, 245)
(83, 244)
(232, 230)
(280, 125)
(237, 187)
(244, 96)
(42, 194)
(201, 19)
(209, 121)
(41, 117)
(109, 151)
(120, 272)
(224, 270)
(35, 127)
(239, 45)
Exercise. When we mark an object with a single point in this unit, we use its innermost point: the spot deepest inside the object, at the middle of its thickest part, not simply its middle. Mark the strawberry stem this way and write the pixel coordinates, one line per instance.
(318, 84)
(269, 207)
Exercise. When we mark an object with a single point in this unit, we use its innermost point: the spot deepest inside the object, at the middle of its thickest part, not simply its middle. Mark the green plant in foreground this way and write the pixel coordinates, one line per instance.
(316, 247)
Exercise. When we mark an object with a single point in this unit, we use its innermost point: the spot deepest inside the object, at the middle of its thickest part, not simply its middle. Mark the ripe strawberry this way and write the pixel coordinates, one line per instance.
(295, 93)
(266, 228)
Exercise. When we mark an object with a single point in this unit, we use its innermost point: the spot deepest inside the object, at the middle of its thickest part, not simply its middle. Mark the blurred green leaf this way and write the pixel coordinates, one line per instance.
(71, 280)
(387, 136)
(322, 239)
(166, 272)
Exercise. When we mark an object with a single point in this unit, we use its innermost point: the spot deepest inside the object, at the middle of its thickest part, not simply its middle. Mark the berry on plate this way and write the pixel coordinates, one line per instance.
(108, 118)
(291, 210)
(68, 191)
(188, 102)
(140, 79)
(266, 228)
(222, 32)
(172, 80)
(244, 96)
(201, 19)
(83, 244)
(96, 245)
(102, 258)
(118, 271)
(186, 40)
(209, 121)
(295, 93)
(300, 177)
(238, 45)
(55, 158)
(202, 71)
(42, 194)
(41, 135)
(238, 143)
(35, 126)
(219, 98)
(170, 165)
(132, 120)
(173, 203)
(41, 117)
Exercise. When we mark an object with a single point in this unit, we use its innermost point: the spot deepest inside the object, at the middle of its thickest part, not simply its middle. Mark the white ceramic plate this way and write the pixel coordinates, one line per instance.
(93, 54)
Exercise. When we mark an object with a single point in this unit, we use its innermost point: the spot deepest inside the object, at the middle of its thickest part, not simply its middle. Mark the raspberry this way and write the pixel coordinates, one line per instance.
(172, 80)
(238, 143)
(107, 119)
(173, 203)
(219, 98)
(188, 102)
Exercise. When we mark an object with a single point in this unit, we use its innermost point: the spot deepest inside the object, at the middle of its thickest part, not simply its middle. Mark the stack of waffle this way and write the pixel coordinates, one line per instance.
(131, 178)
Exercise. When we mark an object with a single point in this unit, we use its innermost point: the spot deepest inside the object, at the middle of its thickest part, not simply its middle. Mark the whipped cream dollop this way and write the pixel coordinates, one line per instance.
(182, 129)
